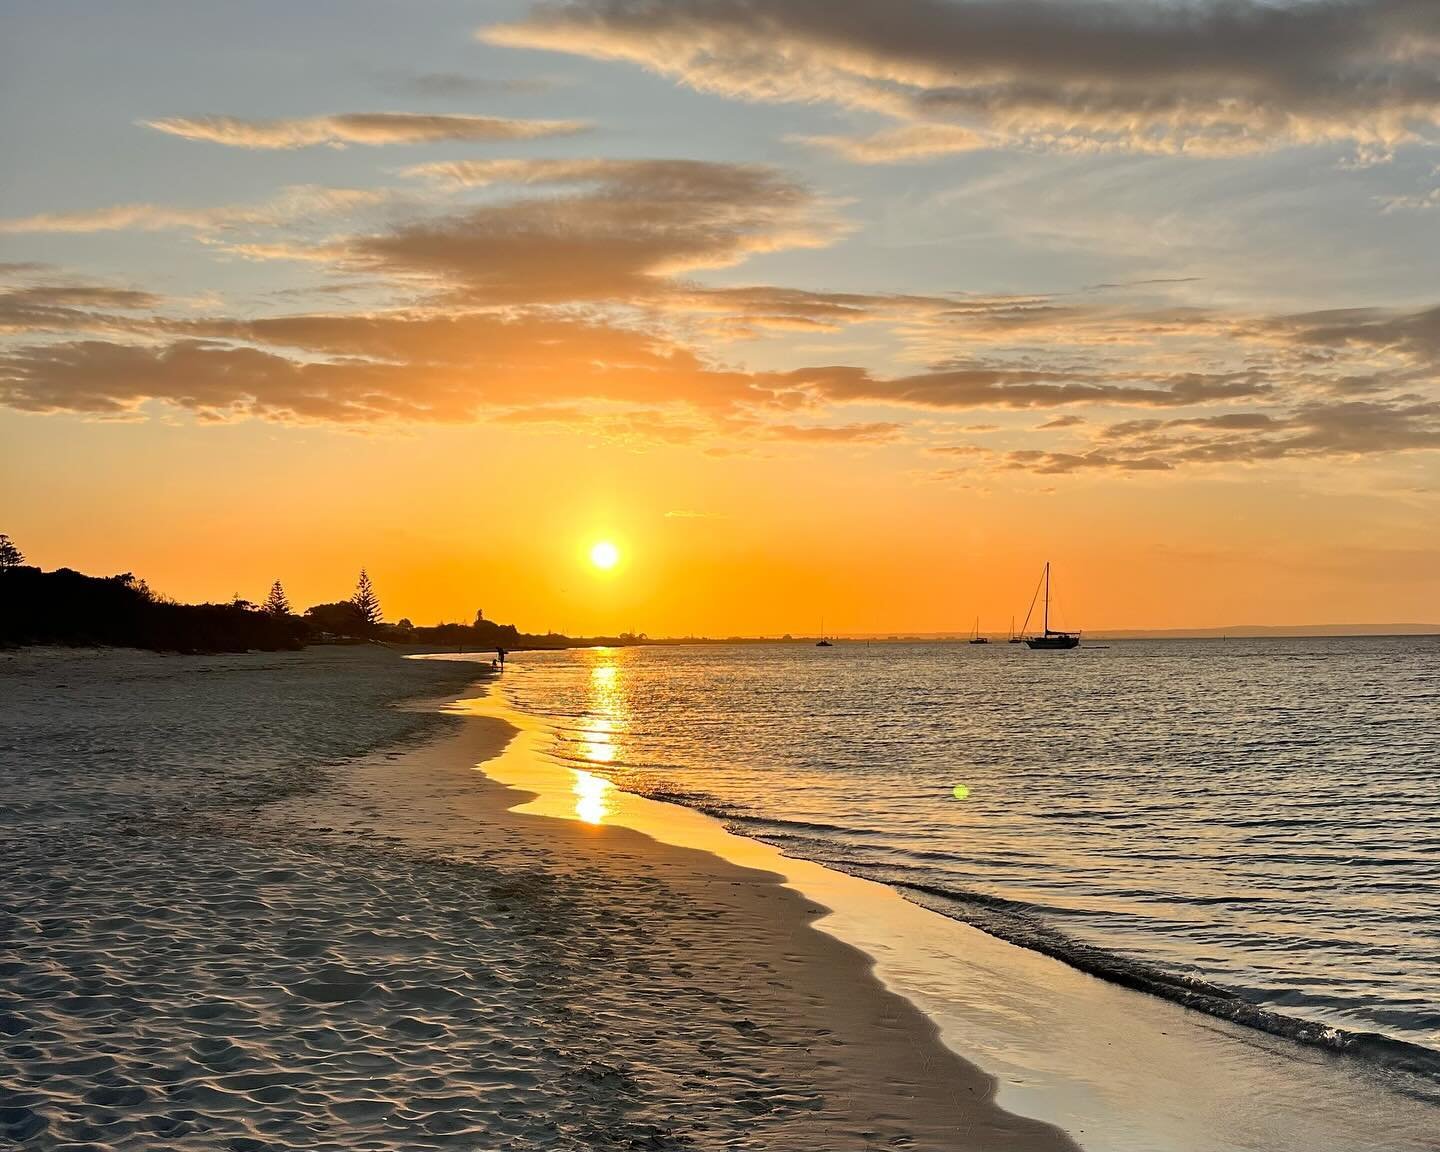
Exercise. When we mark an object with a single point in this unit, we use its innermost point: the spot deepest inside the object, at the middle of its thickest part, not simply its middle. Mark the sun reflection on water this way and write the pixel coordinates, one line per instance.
(599, 743)
(604, 708)
(600, 737)
(592, 799)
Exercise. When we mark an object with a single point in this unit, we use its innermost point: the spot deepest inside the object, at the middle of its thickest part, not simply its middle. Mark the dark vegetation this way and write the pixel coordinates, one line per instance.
(65, 607)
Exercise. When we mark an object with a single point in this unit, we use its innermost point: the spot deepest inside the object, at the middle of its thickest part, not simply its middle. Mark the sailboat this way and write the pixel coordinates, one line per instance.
(1049, 637)
(1014, 639)
(977, 638)
(822, 642)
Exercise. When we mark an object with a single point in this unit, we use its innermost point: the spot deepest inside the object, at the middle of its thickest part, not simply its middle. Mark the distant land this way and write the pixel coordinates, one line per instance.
(1259, 631)
(1238, 631)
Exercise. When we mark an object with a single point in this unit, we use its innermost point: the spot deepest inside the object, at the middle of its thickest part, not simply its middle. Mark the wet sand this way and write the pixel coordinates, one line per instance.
(210, 940)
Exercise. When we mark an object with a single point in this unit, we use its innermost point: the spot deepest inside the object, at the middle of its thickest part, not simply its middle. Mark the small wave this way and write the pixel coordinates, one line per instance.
(1010, 921)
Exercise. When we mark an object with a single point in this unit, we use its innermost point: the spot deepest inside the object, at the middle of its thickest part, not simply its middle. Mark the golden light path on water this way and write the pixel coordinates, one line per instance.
(592, 800)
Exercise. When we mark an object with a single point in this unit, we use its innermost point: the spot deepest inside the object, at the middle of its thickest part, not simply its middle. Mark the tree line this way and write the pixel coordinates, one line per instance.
(70, 608)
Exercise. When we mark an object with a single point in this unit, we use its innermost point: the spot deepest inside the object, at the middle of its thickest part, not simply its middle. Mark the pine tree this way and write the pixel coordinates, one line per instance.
(366, 600)
(277, 603)
(10, 556)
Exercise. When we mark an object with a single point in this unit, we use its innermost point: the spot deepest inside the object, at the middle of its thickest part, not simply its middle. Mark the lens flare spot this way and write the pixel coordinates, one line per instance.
(960, 791)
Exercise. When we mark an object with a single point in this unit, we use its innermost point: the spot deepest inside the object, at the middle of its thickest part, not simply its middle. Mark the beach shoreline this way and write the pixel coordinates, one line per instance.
(341, 900)
(222, 929)
(869, 1065)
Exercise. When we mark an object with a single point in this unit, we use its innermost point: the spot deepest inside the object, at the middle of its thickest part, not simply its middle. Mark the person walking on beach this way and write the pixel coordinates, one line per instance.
(500, 652)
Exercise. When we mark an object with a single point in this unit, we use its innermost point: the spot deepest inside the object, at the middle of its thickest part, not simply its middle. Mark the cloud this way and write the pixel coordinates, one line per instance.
(1422, 202)
(606, 229)
(1334, 430)
(370, 128)
(1057, 463)
(746, 312)
(983, 386)
(1413, 335)
(634, 385)
(1209, 77)
(872, 433)
(293, 205)
(908, 142)
(68, 307)
(1143, 283)
(372, 368)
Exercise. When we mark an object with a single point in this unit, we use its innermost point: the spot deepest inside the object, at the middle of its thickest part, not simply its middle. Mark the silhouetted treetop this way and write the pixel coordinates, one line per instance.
(366, 600)
(10, 556)
(277, 603)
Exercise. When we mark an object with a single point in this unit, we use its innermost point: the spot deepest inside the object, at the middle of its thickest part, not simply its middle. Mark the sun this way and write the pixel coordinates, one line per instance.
(604, 555)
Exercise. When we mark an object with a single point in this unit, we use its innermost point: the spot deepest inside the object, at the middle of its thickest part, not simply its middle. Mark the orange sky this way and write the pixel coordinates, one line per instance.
(462, 519)
(809, 322)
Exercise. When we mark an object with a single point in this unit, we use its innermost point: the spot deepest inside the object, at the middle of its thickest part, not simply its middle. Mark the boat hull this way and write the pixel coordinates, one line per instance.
(1054, 640)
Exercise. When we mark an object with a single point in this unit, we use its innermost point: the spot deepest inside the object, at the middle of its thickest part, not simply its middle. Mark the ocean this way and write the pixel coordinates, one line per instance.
(1248, 827)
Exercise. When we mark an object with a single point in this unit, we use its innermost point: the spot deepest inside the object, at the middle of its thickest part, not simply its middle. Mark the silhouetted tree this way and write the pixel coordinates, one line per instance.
(277, 603)
(366, 600)
(10, 556)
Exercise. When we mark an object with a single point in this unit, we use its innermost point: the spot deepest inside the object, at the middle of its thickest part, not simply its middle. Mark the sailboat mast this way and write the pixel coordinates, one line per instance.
(1047, 597)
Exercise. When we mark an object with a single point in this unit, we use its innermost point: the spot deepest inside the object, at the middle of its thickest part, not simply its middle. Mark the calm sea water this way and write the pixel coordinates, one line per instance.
(1251, 827)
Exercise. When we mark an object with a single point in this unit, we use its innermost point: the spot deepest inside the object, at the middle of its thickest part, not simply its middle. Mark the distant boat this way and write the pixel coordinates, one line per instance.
(1014, 639)
(977, 638)
(1049, 638)
(822, 642)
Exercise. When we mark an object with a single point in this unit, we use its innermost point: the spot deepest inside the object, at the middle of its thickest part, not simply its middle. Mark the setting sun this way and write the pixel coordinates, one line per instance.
(604, 555)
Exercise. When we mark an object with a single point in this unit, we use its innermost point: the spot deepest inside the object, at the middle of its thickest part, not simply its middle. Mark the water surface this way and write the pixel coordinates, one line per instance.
(1246, 826)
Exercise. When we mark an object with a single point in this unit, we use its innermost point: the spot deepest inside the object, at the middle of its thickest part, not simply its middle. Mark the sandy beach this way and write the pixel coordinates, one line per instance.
(251, 902)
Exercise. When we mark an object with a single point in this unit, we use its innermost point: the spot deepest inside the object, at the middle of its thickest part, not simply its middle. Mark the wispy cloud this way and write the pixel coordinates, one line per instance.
(290, 206)
(1337, 429)
(68, 306)
(990, 386)
(877, 432)
(369, 128)
(1208, 78)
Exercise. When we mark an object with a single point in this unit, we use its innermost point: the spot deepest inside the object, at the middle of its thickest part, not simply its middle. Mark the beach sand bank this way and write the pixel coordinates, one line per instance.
(243, 905)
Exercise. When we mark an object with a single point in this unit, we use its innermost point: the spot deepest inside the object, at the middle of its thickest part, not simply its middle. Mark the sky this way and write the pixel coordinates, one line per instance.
(811, 307)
